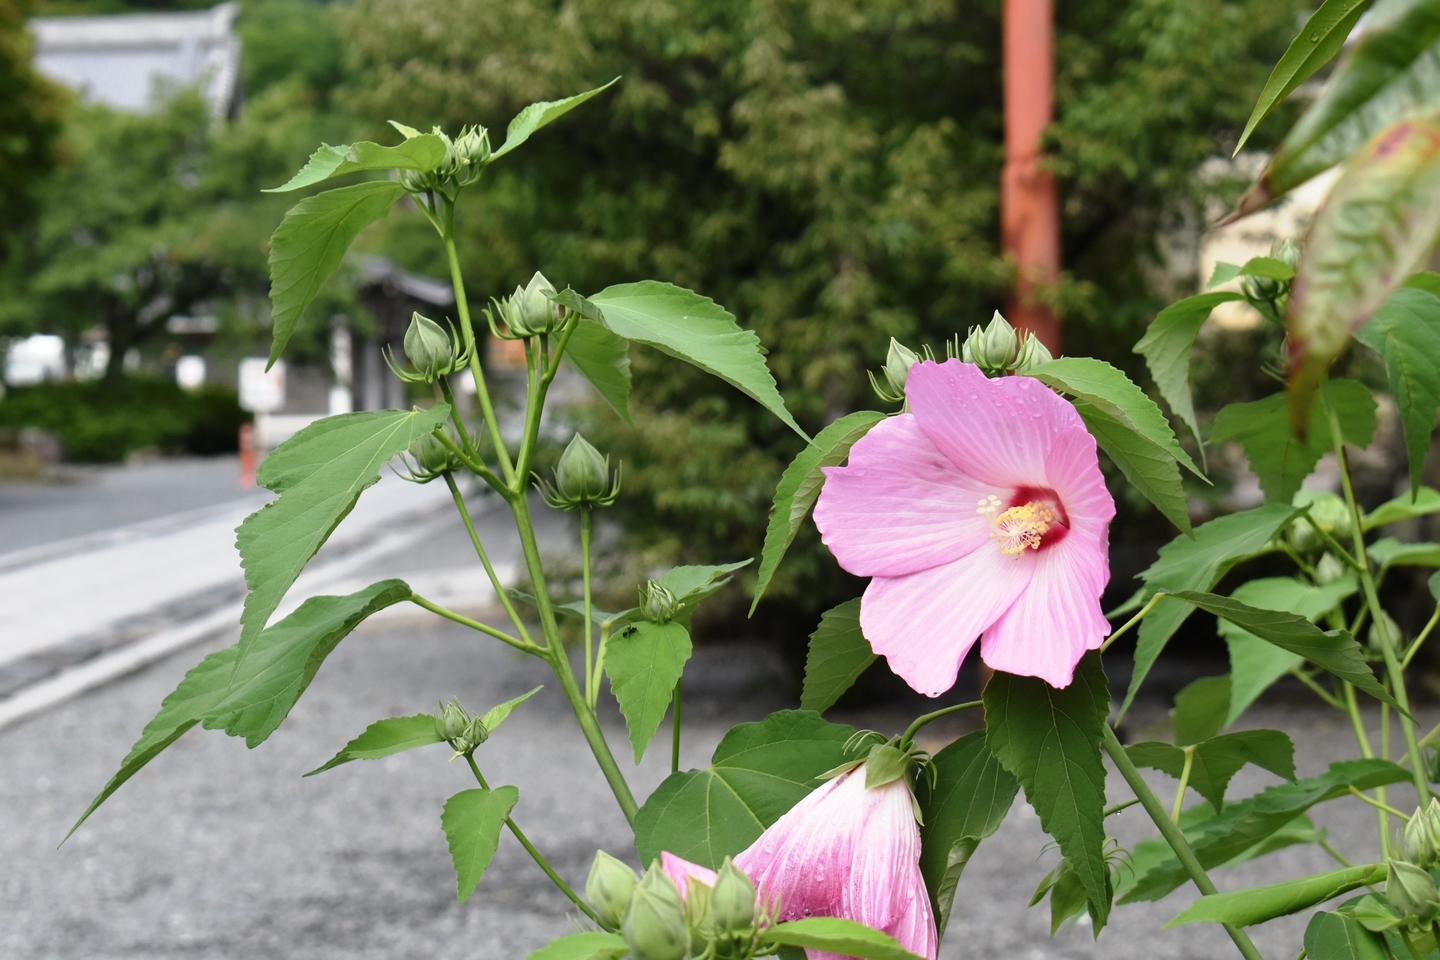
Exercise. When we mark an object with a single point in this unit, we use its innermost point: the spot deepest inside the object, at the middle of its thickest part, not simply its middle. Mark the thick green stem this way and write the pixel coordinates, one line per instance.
(1173, 835)
(675, 735)
(586, 521)
(1362, 740)
(535, 855)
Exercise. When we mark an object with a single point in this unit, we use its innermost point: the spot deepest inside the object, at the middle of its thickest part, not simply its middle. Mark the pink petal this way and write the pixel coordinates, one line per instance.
(803, 858)
(997, 431)
(1073, 472)
(925, 623)
(900, 505)
(680, 870)
(1058, 617)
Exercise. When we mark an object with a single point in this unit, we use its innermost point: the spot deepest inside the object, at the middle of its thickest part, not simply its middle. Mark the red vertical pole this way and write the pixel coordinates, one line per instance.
(1029, 198)
(247, 455)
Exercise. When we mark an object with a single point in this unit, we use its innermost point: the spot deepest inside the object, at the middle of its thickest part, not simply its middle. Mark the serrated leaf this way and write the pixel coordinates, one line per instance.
(252, 699)
(1200, 709)
(1148, 467)
(603, 358)
(836, 935)
(1320, 39)
(692, 583)
(644, 662)
(1151, 852)
(837, 655)
(580, 946)
(1282, 460)
(1255, 664)
(1218, 759)
(472, 820)
(424, 152)
(1405, 333)
(697, 330)
(1389, 552)
(1375, 227)
(1332, 650)
(970, 798)
(1050, 740)
(1167, 344)
(537, 115)
(319, 475)
(1258, 904)
(1418, 503)
(1330, 936)
(499, 714)
(1197, 564)
(310, 243)
(757, 773)
(799, 488)
(384, 738)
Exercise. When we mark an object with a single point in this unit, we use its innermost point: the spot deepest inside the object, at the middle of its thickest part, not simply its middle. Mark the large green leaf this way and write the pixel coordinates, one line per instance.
(319, 474)
(836, 935)
(1378, 222)
(1280, 459)
(1405, 332)
(582, 946)
(1418, 502)
(384, 738)
(1390, 552)
(971, 795)
(1200, 709)
(310, 243)
(757, 773)
(644, 662)
(1332, 650)
(423, 152)
(799, 488)
(1149, 468)
(838, 654)
(1258, 904)
(1167, 344)
(1333, 936)
(603, 358)
(1320, 39)
(1050, 740)
(1216, 761)
(251, 701)
(537, 115)
(697, 330)
(472, 820)
(1197, 564)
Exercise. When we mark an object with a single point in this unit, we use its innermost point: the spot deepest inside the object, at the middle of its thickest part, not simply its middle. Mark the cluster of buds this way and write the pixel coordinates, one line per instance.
(457, 727)
(997, 349)
(465, 157)
(582, 478)
(1327, 512)
(658, 602)
(528, 312)
(898, 361)
(1266, 290)
(429, 458)
(432, 351)
(659, 921)
(1412, 899)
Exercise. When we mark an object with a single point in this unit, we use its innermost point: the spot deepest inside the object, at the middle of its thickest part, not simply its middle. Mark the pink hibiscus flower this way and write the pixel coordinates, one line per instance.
(983, 510)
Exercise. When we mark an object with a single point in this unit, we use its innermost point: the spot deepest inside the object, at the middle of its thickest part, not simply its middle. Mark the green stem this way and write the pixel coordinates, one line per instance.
(586, 521)
(1377, 804)
(1319, 691)
(1343, 860)
(908, 737)
(521, 645)
(539, 858)
(600, 664)
(1173, 835)
(1110, 811)
(1362, 740)
(1131, 622)
(1184, 782)
(465, 442)
(675, 736)
(1415, 647)
(495, 584)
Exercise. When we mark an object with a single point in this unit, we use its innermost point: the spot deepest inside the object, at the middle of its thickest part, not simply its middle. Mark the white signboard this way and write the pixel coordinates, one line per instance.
(261, 391)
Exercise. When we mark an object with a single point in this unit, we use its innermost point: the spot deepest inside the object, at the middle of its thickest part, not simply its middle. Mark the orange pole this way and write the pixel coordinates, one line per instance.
(247, 455)
(1029, 197)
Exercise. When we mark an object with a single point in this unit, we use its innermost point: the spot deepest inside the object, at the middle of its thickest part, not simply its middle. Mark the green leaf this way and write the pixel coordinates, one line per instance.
(1167, 344)
(472, 820)
(1151, 852)
(310, 243)
(697, 330)
(1331, 936)
(838, 654)
(1050, 740)
(604, 359)
(968, 802)
(1197, 564)
(1149, 468)
(384, 738)
(758, 772)
(1241, 826)
(1320, 39)
(1258, 904)
(1405, 332)
(497, 715)
(691, 584)
(252, 699)
(1200, 709)
(1332, 650)
(799, 488)
(1419, 502)
(319, 474)
(422, 152)
(1281, 460)
(537, 115)
(1255, 664)
(838, 936)
(581, 946)
(644, 662)
(1217, 760)
(1389, 552)
(1375, 227)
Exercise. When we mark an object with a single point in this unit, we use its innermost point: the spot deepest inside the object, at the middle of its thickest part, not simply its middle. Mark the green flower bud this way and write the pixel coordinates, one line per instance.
(992, 349)
(1411, 890)
(898, 362)
(699, 919)
(582, 478)
(473, 145)
(451, 721)
(1287, 251)
(885, 764)
(542, 315)
(1032, 354)
(657, 603)
(654, 924)
(432, 456)
(428, 348)
(1328, 570)
(732, 903)
(1327, 511)
(1422, 836)
(609, 887)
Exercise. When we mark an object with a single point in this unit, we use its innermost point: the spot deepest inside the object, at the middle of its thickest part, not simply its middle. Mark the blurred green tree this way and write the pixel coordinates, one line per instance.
(30, 116)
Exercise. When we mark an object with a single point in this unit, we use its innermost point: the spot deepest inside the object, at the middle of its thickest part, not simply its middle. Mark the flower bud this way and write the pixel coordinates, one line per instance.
(654, 924)
(657, 603)
(1391, 630)
(1032, 354)
(451, 721)
(432, 456)
(992, 349)
(1328, 570)
(699, 920)
(473, 145)
(583, 474)
(541, 314)
(1287, 251)
(898, 362)
(1411, 890)
(732, 902)
(1422, 836)
(428, 347)
(609, 887)
(1327, 511)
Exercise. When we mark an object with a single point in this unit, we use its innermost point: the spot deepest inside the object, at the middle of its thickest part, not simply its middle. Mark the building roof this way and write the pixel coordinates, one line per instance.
(124, 61)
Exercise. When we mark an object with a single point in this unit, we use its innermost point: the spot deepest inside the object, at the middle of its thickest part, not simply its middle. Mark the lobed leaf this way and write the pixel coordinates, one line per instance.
(603, 358)
(1389, 552)
(1149, 468)
(1419, 502)
(472, 820)
(385, 738)
(1166, 347)
(499, 714)
(537, 115)
(644, 663)
(836, 935)
(1200, 709)
(838, 654)
(799, 488)
(1216, 761)
(424, 152)
(1333, 936)
(1405, 333)
(1244, 908)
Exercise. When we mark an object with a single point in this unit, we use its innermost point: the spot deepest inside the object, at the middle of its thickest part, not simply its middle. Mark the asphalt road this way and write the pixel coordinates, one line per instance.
(216, 852)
